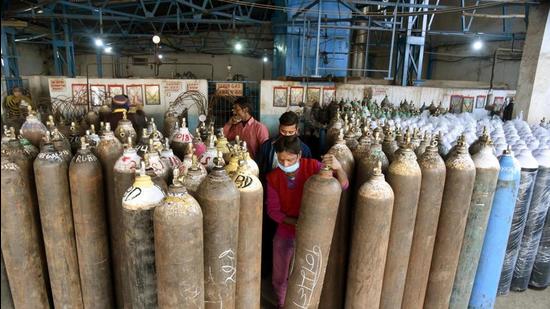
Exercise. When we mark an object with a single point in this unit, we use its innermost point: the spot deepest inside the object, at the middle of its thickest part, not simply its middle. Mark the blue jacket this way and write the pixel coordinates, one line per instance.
(264, 158)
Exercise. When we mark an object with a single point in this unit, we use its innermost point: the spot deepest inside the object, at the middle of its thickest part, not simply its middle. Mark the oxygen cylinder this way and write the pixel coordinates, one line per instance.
(233, 165)
(249, 252)
(54, 200)
(170, 123)
(367, 164)
(333, 130)
(198, 144)
(250, 163)
(369, 242)
(104, 112)
(152, 129)
(143, 145)
(207, 158)
(536, 216)
(179, 249)
(169, 158)
(529, 168)
(125, 129)
(157, 165)
(7, 301)
(363, 147)
(21, 240)
(181, 139)
(74, 138)
(108, 151)
(221, 146)
(426, 140)
(540, 276)
(389, 145)
(405, 177)
(32, 129)
(188, 162)
(220, 200)
(124, 175)
(459, 183)
(194, 177)
(314, 232)
(29, 148)
(433, 171)
(90, 221)
(138, 205)
(351, 140)
(334, 288)
(485, 286)
(487, 169)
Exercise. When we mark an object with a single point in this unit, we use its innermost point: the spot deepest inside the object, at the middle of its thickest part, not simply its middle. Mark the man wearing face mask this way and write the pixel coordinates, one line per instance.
(285, 185)
(267, 157)
(242, 124)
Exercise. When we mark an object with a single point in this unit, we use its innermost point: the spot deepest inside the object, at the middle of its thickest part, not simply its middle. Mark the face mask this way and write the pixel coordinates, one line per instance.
(289, 169)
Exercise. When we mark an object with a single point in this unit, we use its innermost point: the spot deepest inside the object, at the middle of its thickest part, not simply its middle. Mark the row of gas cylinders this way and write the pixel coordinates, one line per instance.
(102, 228)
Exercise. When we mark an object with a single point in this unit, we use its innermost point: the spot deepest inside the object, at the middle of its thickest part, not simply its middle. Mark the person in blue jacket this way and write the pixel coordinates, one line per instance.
(267, 158)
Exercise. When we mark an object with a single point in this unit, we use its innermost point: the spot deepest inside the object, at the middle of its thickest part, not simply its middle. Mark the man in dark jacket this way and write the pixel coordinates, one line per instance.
(288, 126)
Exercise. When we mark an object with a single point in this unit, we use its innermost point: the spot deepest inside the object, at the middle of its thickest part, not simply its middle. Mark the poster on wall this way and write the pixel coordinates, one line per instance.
(193, 85)
(280, 96)
(97, 95)
(57, 85)
(313, 95)
(456, 104)
(229, 89)
(80, 94)
(296, 96)
(329, 95)
(480, 101)
(115, 90)
(467, 104)
(135, 94)
(152, 94)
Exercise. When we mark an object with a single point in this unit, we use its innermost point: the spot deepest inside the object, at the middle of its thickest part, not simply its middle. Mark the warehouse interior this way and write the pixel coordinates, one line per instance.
(275, 154)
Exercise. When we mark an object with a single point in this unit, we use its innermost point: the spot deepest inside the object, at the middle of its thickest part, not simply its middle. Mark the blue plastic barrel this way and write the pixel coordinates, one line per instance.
(489, 268)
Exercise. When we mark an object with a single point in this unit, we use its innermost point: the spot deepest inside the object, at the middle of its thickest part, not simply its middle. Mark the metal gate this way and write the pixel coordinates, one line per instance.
(220, 107)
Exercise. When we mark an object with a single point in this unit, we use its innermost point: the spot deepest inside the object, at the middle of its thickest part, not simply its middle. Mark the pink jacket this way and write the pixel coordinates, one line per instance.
(254, 133)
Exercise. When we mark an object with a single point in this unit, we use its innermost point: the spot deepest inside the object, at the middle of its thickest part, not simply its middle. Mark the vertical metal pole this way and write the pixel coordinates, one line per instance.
(291, 47)
(392, 40)
(303, 47)
(366, 66)
(99, 64)
(318, 38)
(421, 49)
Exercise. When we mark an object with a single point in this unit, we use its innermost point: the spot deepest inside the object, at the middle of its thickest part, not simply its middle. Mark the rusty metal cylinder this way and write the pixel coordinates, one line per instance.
(6, 299)
(459, 183)
(405, 177)
(194, 177)
(32, 129)
(389, 145)
(181, 139)
(220, 202)
(314, 231)
(125, 130)
(108, 151)
(334, 288)
(124, 175)
(249, 252)
(487, 169)
(54, 200)
(366, 165)
(369, 242)
(91, 231)
(21, 240)
(179, 249)
(138, 205)
(433, 170)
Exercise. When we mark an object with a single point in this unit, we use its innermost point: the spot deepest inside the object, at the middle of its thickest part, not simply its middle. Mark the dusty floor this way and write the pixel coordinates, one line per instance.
(530, 299)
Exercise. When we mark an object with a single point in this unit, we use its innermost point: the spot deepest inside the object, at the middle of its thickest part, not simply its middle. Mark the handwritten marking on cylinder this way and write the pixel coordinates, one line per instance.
(305, 290)
(229, 268)
(243, 181)
(132, 194)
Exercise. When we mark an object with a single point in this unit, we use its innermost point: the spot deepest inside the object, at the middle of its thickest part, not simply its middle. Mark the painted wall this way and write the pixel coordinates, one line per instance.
(168, 93)
(34, 59)
(252, 68)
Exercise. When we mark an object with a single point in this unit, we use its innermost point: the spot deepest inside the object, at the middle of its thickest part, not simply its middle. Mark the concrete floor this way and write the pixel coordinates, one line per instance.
(530, 299)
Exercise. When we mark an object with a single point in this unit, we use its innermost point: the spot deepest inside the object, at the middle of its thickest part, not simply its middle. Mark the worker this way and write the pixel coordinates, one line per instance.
(137, 116)
(242, 124)
(285, 186)
(267, 161)
(267, 157)
(16, 105)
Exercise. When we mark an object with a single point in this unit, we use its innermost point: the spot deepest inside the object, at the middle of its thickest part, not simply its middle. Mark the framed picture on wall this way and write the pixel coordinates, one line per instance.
(467, 104)
(296, 95)
(480, 101)
(79, 94)
(499, 103)
(280, 96)
(135, 94)
(313, 95)
(115, 90)
(152, 94)
(97, 95)
(456, 104)
(329, 95)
